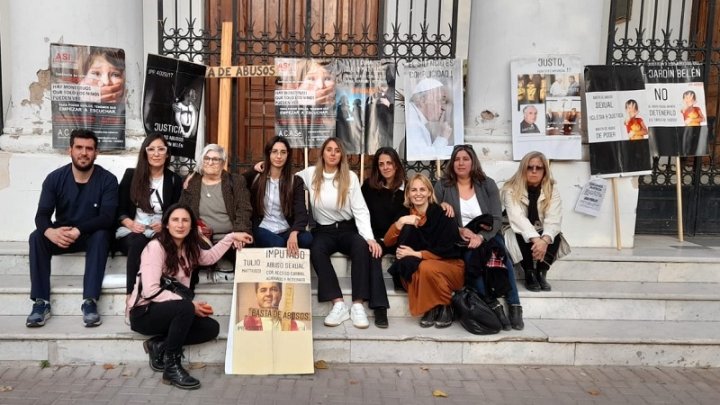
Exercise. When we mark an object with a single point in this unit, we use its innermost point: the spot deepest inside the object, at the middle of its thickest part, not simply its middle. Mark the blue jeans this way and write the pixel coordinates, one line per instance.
(512, 296)
(265, 238)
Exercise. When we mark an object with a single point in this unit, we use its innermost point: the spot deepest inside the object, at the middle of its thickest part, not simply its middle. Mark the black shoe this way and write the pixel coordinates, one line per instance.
(430, 317)
(381, 319)
(397, 285)
(531, 282)
(516, 317)
(39, 314)
(155, 348)
(497, 308)
(176, 375)
(544, 285)
(90, 313)
(445, 317)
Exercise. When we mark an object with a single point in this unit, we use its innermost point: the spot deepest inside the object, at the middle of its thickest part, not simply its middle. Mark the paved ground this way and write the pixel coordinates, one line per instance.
(365, 384)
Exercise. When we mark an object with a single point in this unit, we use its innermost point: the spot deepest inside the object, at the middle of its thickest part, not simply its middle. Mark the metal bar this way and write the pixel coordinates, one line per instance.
(308, 28)
(611, 34)
(682, 24)
(160, 26)
(453, 29)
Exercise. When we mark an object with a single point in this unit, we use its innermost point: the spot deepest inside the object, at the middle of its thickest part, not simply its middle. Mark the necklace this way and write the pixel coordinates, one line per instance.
(209, 188)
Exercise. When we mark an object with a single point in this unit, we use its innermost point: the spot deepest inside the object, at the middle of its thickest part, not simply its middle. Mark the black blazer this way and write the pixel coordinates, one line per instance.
(172, 188)
(300, 217)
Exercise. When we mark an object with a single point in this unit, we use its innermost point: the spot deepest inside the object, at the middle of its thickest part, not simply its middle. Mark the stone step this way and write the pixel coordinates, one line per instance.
(569, 299)
(64, 340)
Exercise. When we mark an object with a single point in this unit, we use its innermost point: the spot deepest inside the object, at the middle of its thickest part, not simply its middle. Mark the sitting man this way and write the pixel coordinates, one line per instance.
(268, 316)
(84, 198)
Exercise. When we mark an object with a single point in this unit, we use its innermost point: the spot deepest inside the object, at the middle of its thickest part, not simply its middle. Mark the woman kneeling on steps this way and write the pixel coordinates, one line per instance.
(163, 302)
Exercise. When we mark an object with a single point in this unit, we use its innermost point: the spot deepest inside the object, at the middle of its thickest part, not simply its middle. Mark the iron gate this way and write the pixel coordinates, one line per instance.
(643, 31)
(264, 30)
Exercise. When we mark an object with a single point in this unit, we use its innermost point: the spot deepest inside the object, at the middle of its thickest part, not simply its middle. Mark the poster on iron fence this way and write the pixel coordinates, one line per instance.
(433, 94)
(365, 104)
(617, 113)
(676, 109)
(171, 101)
(305, 101)
(270, 329)
(546, 106)
(88, 91)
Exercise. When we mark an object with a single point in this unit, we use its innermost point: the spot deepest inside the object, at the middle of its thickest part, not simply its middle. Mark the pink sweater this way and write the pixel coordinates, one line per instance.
(152, 263)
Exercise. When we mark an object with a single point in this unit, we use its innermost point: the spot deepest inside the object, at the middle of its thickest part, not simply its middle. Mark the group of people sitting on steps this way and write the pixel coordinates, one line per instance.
(169, 227)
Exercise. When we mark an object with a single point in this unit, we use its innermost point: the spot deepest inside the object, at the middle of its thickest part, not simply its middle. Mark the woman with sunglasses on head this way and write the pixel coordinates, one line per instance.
(219, 199)
(534, 210)
(343, 225)
(172, 316)
(280, 215)
(145, 192)
(465, 193)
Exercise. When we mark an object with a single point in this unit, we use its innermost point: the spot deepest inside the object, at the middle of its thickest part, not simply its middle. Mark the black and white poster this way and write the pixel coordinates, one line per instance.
(171, 102)
(88, 91)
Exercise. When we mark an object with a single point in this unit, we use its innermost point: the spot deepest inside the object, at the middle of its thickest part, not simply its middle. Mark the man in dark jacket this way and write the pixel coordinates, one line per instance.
(84, 198)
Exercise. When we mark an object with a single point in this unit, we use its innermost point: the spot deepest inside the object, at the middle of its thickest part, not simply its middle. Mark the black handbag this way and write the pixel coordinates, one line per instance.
(166, 283)
(474, 314)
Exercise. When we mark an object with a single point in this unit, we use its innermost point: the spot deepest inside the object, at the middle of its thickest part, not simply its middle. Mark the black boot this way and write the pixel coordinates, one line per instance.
(176, 375)
(445, 317)
(497, 307)
(516, 317)
(381, 319)
(544, 285)
(430, 317)
(531, 282)
(155, 348)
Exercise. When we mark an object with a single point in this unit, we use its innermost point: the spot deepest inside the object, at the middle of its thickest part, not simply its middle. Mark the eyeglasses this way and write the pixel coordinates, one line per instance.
(535, 168)
(463, 146)
(160, 150)
(212, 160)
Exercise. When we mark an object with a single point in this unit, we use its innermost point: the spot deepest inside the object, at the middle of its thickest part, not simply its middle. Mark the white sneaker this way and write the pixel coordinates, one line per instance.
(338, 314)
(358, 316)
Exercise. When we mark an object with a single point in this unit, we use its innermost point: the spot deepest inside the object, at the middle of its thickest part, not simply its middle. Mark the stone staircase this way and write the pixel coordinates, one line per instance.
(657, 304)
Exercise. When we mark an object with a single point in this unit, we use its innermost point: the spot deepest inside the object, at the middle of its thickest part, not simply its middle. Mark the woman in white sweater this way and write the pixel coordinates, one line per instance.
(343, 225)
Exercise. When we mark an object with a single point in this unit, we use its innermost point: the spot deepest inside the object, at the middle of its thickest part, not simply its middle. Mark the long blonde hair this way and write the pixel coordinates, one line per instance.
(517, 184)
(342, 174)
(426, 182)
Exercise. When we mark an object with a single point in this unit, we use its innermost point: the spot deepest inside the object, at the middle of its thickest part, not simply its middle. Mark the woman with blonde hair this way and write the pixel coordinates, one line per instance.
(534, 210)
(343, 225)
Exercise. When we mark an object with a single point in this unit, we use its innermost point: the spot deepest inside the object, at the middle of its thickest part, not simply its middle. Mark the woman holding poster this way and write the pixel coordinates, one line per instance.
(343, 225)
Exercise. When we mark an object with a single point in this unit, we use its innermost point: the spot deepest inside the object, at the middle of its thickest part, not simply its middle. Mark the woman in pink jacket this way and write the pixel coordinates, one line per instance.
(169, 312)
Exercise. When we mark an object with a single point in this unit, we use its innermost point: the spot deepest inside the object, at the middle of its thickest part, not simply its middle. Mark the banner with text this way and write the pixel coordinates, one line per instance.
(547, 108)
(171, 101)
(88, 91)
(270, 329)
(617, 132)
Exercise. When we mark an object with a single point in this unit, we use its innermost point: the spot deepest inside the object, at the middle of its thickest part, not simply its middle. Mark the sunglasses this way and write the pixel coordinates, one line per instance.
(463, 146)
(535, 168)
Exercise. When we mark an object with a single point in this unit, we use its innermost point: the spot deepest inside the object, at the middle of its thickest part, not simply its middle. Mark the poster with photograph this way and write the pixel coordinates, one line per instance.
(547, 108)
(88, 91)
(270, 329)
(617, 121)
(365, 104)
(171, 101)
(305, 101)
(676, 109)
(433, 94)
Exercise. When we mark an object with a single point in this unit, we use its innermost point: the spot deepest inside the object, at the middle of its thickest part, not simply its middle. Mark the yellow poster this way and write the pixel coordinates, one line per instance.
(270, 328)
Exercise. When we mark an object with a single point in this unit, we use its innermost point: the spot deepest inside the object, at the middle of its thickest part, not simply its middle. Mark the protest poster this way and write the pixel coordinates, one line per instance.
(270, 329)
(171, 101)
(305, 101)
(88, 91)
(365, 99)
(616, 112)
(546, 106)
(433, 92)
(676, 108)
(591, 197)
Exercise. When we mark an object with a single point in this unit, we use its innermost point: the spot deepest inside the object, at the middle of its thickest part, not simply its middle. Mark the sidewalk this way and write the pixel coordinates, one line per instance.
(365, 384)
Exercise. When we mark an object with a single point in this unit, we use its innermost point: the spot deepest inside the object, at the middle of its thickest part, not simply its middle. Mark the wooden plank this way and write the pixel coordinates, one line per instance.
(225, 87)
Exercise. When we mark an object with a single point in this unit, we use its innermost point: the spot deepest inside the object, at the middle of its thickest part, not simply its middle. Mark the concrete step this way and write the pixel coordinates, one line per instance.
(568, 300)
(64, 340)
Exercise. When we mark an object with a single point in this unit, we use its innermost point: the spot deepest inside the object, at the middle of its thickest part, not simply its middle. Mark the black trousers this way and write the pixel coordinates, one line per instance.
(366, 272)
(176, 321)
(526, 250)
(132, 246)
(96, 245)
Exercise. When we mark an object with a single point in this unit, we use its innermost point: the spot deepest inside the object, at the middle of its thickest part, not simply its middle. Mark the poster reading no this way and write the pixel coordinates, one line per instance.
(88, 92)
(270, 328)
(547, 108)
